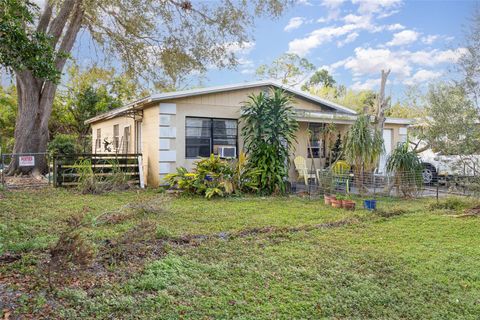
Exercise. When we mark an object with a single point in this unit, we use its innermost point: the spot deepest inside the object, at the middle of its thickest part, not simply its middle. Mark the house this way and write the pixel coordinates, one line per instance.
(175, 128)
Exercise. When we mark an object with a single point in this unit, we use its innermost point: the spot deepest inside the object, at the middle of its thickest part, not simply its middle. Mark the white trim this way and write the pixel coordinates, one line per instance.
(167, 155)
(168, 108)
(399, 121)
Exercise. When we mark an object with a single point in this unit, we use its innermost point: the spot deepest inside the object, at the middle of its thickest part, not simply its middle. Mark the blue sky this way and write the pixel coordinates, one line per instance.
(354, 40)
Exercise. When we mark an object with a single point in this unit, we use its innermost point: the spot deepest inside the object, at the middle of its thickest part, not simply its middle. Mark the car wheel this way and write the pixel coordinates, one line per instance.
(429, 174)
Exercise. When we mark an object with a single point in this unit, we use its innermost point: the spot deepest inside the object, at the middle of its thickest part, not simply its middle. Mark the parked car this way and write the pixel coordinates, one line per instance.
(441, 168)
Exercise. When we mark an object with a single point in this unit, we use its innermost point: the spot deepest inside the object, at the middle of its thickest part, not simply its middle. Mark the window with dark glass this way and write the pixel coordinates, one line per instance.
(317, 145)
(205, 136)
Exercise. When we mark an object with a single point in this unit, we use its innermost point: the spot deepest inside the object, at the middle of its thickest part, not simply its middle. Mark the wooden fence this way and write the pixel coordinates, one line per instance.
(67, 169)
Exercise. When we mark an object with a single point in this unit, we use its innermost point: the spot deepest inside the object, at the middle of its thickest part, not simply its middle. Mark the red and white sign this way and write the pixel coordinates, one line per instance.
(26, 161)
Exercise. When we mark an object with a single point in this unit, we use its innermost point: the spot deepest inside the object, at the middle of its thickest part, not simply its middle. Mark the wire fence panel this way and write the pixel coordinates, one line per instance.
(399, 184)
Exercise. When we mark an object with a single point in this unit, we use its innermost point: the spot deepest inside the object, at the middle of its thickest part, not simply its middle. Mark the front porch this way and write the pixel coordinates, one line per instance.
(319, 139)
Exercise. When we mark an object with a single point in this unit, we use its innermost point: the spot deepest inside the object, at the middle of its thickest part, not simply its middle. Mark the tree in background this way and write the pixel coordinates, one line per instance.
(451, 125)
(321, 78)
(8, 112)
(87, 94)
(469, 63)
(153, 39)
(290, 69)
(269, 128)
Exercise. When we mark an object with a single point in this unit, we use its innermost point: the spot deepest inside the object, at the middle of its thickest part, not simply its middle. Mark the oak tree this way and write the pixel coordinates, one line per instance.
(157, 40)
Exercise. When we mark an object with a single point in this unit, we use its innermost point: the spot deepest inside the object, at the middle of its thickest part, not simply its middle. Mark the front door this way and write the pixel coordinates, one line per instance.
(388, 143)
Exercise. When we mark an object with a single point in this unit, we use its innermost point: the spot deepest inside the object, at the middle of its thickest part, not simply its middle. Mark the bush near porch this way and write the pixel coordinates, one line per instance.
(251, 257)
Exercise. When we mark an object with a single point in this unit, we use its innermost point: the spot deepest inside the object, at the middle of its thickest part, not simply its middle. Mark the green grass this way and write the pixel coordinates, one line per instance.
(419, 263)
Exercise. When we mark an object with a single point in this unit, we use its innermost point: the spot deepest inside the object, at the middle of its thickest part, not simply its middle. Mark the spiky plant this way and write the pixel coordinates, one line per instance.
(363, 145)
(362, 148)
(407, 169)
(269, 129)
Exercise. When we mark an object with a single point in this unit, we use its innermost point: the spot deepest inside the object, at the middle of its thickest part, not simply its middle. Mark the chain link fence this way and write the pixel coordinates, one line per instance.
(27, 161)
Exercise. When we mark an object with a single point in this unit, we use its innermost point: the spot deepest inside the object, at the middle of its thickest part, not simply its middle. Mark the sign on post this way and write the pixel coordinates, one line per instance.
(26, 161)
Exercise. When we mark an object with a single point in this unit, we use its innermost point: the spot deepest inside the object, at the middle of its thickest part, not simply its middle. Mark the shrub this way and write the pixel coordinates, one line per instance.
(269, 132)
(407, 169)
(63, 144)
(216, 177)
(450, 203)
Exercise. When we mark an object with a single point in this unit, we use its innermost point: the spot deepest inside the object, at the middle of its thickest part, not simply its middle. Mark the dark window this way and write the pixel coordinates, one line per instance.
(317, 143)
(204, 136)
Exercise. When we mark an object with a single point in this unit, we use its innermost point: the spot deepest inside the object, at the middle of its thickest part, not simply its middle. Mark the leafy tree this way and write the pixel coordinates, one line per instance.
(8, 112)
(269, 129)
(23, 48)
(320, 78)
(451, 126)
(469, 62)
(157, 40)
(289, 68)
(87, 94)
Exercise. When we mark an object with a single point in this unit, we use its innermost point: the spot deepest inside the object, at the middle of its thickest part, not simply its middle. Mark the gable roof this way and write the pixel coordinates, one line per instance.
(195, 92)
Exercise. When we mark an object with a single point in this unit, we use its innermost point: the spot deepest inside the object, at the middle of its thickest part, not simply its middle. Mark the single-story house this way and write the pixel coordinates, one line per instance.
(174, 129)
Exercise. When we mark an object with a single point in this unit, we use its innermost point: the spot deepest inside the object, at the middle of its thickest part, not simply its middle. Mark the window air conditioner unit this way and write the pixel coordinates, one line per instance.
(227, 152)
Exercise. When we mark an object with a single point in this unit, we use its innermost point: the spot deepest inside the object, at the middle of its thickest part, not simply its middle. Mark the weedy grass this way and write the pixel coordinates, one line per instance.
(405, 261)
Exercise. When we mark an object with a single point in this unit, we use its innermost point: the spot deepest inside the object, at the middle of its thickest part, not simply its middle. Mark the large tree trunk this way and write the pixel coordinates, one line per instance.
(35, 101)
(35, 95)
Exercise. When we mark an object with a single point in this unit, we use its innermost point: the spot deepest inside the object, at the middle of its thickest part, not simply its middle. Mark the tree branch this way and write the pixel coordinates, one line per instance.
(45, 18)
(59, 22)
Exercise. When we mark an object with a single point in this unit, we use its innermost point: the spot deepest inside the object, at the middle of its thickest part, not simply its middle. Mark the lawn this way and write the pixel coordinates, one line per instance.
(163, 257)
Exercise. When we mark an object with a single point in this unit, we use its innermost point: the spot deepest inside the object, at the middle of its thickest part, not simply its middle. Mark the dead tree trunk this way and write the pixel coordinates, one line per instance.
(35, 95)
(382, 104)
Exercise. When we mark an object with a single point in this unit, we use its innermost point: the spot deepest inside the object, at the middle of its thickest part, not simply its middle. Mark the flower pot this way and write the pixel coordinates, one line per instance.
(348, 204)
(336, 203)
(328, 199)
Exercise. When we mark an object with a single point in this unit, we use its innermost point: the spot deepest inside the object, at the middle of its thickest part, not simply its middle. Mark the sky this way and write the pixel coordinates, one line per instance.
(418, 40)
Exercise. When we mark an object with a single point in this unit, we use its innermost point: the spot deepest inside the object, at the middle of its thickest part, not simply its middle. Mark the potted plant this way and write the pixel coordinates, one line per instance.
(348, 203)
(337, 201)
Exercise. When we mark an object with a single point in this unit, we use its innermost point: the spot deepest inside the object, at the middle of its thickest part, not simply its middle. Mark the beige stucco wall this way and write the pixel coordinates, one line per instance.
(107, 132)
(219, 105)
(150, 147)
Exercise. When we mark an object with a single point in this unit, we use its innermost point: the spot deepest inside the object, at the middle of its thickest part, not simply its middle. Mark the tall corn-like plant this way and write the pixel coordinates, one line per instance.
(269, 128)
(407, 169)
(363, 147)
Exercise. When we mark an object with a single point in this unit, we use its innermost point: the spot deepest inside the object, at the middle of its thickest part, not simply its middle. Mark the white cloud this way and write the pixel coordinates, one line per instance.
(302, 46)
(422, 76)
(332, 4)
(430, 39)
(294, 23)
(370, 61)
(368, 84)
(403, 37)
(376, 6)
(434, 57)
(240, 48)
(350, 38)
(395, 27)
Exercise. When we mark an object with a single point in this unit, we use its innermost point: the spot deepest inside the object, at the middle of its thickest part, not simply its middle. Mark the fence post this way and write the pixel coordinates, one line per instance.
(3, 169)
(437, 189)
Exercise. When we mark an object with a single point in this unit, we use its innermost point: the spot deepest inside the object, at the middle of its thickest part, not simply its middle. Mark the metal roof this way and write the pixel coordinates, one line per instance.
(195, 92)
